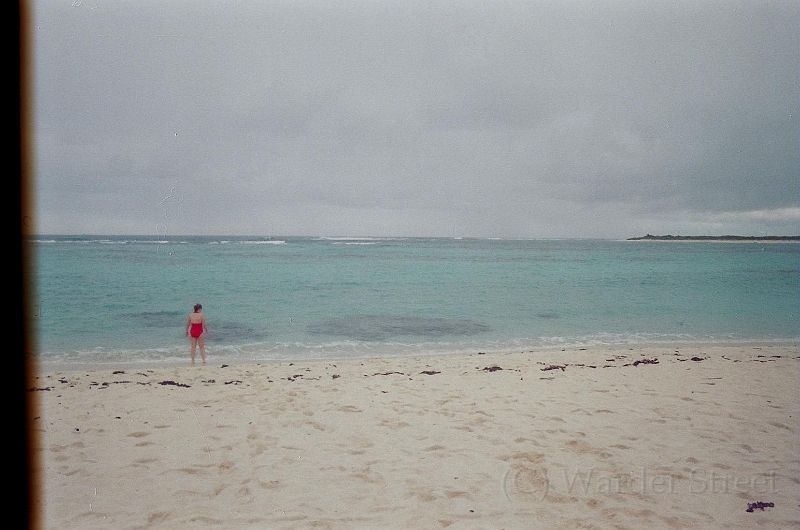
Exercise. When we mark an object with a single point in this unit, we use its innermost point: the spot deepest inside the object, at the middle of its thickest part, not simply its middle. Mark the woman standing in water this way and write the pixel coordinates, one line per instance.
(196, 330)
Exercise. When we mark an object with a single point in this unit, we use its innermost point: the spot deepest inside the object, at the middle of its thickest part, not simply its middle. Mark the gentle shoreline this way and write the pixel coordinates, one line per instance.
(719, 239)
(696, 240)
(656, 437)
(215, 359)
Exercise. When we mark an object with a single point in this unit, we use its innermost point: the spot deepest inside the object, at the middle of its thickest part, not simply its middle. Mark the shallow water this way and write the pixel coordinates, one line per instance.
(125, 299)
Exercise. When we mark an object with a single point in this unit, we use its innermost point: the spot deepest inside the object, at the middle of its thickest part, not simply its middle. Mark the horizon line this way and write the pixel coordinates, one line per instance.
(382, 236)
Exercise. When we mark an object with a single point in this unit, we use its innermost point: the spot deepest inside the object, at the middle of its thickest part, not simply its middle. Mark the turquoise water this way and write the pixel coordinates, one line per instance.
(125, 299)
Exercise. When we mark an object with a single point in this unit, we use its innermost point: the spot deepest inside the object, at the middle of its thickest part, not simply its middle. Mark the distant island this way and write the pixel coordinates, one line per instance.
(650, 237)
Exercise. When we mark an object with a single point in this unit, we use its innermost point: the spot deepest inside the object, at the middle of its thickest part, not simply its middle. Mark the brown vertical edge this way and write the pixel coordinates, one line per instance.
(22, 337)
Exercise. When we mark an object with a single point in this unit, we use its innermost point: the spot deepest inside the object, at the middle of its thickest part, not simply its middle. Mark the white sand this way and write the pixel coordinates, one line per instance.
(601, 443)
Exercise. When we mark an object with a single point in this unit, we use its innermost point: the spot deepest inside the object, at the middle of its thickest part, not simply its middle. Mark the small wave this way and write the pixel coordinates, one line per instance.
(247, 242)
(80, 241)
(361, 238)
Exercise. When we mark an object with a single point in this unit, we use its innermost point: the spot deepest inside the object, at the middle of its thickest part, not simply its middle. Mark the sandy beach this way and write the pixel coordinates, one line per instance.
(690, 437)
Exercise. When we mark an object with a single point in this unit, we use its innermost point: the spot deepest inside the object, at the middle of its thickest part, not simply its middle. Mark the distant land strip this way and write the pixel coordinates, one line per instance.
(650, 237)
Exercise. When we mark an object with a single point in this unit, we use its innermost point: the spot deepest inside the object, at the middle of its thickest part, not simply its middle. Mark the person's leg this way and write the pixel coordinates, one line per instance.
(202, 341)
(193, 340)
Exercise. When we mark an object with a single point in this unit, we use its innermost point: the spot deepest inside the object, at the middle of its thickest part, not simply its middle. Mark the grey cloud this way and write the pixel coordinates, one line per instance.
(478, 118)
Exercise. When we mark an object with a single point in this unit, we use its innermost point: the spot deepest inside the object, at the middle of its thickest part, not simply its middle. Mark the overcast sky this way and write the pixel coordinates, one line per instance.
(416, 118)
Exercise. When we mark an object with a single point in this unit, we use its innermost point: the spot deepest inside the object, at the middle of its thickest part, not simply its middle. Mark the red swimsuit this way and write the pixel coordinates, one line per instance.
(197, 330)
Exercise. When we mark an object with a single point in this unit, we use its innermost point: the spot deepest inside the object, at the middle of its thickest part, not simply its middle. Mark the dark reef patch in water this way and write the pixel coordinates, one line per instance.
(158, 319)
(220, 331)
(382, 327)
(233, 332)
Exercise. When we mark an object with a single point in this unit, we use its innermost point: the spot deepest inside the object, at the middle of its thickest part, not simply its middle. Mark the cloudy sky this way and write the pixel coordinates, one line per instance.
(416, 118)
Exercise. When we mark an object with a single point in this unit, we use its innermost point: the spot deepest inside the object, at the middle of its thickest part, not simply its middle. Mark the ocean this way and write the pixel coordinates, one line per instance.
(123, 300)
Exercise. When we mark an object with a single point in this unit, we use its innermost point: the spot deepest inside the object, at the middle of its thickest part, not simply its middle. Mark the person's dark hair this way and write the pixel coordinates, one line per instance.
(198, 307)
